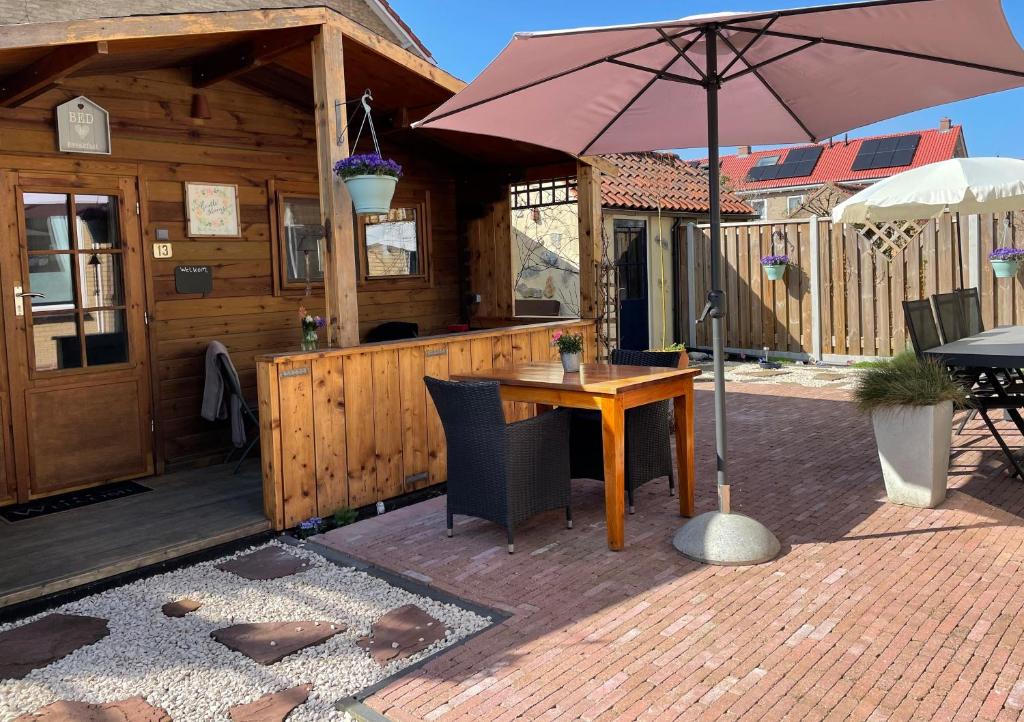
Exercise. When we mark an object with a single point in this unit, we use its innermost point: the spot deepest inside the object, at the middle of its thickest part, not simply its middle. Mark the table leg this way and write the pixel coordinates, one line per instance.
(613, 436)
(685, 473)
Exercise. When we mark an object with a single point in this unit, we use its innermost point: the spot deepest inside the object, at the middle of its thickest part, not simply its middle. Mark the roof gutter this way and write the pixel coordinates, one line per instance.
(407, 40)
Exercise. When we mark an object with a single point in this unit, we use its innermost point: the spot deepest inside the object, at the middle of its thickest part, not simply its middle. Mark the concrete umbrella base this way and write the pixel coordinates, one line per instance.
(726, 539)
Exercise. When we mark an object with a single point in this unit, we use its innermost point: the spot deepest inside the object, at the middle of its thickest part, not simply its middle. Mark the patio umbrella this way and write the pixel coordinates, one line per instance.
(960, 185)
(786, 76)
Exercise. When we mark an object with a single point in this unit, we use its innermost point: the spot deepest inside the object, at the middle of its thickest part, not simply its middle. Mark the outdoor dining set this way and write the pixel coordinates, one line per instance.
(949, 328)
(608, 421)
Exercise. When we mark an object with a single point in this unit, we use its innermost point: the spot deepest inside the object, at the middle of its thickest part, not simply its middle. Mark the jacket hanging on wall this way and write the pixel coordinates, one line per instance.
(220, 401)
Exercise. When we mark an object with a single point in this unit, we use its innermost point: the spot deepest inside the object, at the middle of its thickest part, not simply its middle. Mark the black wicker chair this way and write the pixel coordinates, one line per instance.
(501, 472)
(648, 433)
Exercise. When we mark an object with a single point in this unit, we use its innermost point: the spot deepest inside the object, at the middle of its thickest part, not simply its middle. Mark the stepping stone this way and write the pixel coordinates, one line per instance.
(826, 376)
(764, 373)
(272, 707)
(401, 633)
(180, 607)
(266, 563)
(269, 642)
(133, 709)
(46, 640)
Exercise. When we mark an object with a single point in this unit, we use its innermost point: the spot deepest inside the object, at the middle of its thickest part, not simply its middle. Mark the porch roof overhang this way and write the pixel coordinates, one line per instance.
(267, 50)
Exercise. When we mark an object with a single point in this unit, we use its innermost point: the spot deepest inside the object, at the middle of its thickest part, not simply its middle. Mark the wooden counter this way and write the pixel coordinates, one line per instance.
(353, 426)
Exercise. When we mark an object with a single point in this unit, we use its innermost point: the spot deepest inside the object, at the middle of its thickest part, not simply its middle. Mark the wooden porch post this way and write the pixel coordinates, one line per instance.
(335, 204)
(588, 188)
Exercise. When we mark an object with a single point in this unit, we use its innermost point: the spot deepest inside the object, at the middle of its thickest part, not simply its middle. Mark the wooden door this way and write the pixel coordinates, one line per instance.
(74, 305)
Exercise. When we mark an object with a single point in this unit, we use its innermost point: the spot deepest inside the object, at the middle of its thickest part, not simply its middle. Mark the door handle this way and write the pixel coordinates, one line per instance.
(19, 299)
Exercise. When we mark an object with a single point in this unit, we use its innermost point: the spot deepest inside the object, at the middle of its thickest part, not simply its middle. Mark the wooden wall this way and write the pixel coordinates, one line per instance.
(349, 427)
(489, 260)
(262, 145)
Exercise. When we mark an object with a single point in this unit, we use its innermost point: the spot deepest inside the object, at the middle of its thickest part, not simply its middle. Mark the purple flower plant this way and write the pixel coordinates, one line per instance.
(774, 260)
(367, 164)
(314, 522)
(1007, 254)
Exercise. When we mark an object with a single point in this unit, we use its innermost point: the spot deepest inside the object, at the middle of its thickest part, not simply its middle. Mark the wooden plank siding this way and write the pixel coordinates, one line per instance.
(862, 291)
(366, 409)
(263, 146)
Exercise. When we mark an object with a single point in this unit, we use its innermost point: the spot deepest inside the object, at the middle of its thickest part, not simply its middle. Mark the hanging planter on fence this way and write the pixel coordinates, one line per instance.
(1006, 261)
(370, 180)
(775, 266)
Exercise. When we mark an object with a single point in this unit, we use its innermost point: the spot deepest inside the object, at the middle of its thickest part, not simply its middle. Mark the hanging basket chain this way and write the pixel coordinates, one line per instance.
(367, 119)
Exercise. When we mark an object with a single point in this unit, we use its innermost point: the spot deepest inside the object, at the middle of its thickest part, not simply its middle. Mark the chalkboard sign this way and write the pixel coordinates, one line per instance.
(193, 279)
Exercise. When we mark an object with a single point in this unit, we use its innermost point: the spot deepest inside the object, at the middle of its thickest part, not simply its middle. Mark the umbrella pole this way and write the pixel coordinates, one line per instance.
(720, 537)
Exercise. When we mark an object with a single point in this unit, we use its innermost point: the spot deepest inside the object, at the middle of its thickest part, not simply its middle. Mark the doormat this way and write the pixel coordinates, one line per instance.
(71, 500)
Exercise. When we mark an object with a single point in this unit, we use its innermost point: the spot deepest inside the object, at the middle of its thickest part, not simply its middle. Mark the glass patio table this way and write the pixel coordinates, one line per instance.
(611, 389)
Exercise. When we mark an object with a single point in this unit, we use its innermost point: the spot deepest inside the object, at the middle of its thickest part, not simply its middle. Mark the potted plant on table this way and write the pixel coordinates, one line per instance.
(775, 266)
(570, 348)
(911, 403)
(370, 180)
(311, 326)
(1006, 261)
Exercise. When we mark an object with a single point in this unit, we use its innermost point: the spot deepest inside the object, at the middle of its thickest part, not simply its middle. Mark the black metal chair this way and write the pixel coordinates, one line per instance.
(648, 433)
(249, 415)
(393, 331)
(924, 335)
(949, 312)
(501, 472)
(970, 305)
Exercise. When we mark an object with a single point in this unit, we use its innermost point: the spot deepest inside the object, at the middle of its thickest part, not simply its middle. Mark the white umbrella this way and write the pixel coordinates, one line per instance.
(960, 185)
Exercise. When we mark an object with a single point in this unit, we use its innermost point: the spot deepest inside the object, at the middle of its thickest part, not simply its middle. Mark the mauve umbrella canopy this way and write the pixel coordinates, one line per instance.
(627, 88)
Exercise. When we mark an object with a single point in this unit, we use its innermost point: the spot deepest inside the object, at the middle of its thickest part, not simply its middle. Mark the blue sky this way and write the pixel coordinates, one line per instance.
(464, 35)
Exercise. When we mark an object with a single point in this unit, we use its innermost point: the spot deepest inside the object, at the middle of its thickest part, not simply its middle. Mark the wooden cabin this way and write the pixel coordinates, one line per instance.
(107, 223)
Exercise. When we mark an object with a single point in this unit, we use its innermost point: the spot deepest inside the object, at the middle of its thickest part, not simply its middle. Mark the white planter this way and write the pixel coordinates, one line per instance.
(913, 448)
(371, 193)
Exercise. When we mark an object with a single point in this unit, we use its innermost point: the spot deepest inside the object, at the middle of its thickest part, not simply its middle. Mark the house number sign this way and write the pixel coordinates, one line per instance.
(83, 127)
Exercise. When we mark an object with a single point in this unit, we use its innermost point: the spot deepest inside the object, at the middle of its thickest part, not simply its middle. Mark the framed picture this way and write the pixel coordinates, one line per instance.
(211, 210)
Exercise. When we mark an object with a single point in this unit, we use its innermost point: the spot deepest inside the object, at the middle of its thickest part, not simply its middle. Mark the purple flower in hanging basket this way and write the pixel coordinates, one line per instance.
(774, 260)
(1007, 254)
(367, 164)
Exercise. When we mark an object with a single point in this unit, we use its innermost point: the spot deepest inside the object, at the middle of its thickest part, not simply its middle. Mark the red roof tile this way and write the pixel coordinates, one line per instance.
(836, 162)
(649, 180)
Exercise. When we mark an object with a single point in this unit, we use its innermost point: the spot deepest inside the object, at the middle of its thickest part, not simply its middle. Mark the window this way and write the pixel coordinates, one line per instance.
(299, 234)
(793, 203)
(760, 208)
(767, 160)
(393, 245)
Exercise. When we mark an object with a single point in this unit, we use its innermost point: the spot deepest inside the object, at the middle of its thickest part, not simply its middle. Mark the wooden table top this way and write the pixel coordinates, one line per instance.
(596, 378)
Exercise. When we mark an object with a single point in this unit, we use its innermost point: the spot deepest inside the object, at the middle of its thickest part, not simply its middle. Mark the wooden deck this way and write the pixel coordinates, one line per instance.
(186, 512)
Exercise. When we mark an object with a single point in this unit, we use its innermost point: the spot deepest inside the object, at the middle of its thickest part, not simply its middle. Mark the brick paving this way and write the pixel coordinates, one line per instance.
(872, 612)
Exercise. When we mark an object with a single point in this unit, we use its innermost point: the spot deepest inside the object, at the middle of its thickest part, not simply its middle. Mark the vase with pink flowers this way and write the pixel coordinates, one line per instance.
(570, 348)
(311, 326)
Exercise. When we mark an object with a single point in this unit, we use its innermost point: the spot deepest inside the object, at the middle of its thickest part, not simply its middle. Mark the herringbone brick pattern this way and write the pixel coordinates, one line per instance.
(873, 611)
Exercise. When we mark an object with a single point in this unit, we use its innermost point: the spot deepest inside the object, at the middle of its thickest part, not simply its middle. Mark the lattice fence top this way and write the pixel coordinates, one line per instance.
(891, 238)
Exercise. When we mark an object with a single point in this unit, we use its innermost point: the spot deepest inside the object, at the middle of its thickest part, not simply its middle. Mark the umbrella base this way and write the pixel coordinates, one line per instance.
(726, 540)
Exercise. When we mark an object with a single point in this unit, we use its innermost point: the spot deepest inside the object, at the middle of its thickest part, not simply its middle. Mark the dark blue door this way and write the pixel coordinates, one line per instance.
(631, 271)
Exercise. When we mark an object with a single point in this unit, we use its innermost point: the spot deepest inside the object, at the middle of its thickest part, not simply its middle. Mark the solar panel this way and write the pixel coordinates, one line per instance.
(799, 163)
(887, 152)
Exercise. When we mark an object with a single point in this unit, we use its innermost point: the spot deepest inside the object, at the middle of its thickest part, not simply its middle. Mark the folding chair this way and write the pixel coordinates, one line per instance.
(249, 416)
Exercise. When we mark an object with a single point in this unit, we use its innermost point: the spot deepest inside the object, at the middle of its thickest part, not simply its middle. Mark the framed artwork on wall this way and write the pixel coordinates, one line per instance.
(211, 210)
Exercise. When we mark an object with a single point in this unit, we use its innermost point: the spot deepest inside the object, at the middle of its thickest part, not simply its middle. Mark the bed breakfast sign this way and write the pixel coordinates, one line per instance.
(83, 127)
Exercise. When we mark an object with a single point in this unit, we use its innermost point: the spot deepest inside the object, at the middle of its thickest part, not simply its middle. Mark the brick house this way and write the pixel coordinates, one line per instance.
(810, 180)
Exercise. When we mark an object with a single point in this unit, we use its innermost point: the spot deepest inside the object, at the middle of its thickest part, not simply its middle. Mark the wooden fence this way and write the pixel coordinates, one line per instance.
(842, 296)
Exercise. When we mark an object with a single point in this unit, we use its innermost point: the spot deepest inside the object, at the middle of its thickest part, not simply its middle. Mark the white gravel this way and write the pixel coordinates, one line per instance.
(175, 664)
(814, 375)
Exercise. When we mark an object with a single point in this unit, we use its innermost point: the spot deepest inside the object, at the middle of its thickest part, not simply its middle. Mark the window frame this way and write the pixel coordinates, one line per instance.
(424, 278)
(799, 199)
(763, 213)
(281, 282)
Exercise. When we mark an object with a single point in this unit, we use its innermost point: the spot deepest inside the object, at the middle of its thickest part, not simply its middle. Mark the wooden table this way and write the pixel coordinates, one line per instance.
(611, 389)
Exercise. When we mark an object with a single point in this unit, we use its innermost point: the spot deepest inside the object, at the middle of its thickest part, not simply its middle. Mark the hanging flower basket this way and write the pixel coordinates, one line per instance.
(1006, 261)
(775, 266)
(370, 180)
